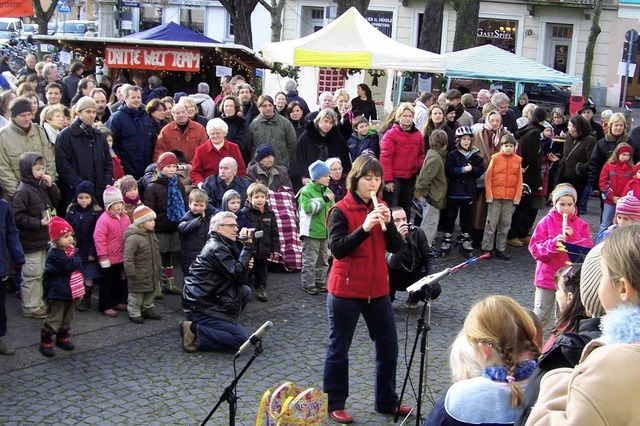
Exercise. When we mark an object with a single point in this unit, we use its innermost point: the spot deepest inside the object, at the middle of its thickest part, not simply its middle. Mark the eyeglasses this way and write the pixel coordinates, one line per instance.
(230, 224)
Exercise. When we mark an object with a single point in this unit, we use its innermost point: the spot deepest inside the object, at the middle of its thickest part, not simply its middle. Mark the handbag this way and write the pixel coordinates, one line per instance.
(288, 405)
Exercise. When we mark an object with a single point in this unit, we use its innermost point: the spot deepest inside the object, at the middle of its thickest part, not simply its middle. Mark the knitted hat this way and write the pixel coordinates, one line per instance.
(318, 169)
(629, 206)
(58, 228)
(624, 149)
(19, 106)
(166, 159)
(562, 190)
(126, 183)
(590, 281)
(110, 196)
(263, 151)
(635, 169)
(85, 187)
(142, 214)
(86, 102)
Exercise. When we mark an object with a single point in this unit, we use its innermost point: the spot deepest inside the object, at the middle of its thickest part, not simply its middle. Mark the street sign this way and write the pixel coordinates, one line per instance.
(631, 35)
(630, 46)
(126, 3)
(63, 7)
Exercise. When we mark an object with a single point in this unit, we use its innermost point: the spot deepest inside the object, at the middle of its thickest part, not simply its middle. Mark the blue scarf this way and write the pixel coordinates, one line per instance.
(621, 325)
(498, 373)
(175, 203)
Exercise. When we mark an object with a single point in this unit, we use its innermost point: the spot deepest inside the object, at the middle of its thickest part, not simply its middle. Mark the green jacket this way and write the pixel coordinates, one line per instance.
(141, 259)
(314, 207)
(432, 181)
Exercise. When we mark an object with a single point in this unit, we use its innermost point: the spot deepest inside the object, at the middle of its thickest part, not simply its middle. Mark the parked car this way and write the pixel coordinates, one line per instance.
(30, 29)
(10, 28)
(76, 28)
(545, 95)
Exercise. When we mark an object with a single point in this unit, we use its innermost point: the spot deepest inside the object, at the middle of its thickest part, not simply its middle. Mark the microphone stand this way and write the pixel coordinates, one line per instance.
(422, 336)
(422, 332)
(229, 392)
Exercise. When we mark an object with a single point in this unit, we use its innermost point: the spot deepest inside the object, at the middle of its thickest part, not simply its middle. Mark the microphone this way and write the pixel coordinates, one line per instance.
(429, 280)
(255, 338)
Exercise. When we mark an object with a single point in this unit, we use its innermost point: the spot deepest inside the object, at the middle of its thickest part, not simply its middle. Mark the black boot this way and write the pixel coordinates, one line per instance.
(46, 344)
(63, 340)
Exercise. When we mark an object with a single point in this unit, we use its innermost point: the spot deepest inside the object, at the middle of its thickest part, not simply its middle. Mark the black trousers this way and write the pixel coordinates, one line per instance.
(113, 288)
(455, 206)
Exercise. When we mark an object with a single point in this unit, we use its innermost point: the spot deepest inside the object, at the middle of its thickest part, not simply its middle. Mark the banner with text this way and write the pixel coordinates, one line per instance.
(152, 58)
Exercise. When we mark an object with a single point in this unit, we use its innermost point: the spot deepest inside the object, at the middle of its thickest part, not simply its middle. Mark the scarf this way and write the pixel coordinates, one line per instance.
(621, 325)
(131, 201)
(498, 373)
(175, 203)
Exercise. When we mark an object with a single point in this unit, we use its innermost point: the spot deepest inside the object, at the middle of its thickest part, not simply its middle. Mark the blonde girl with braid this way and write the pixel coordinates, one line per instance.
(502, 335)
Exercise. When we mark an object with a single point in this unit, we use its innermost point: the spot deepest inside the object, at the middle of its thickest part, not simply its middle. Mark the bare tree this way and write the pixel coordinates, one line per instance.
(591, 46)
(431, 30)
(361, 5)
(43, 15)
(275, 9)
(466, 23)
(240, 13)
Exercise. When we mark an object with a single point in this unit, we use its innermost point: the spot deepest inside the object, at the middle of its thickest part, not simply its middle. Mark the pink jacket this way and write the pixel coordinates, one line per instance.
(109, 237)
(544, 250)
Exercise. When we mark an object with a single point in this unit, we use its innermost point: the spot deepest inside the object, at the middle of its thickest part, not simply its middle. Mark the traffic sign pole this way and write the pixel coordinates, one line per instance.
(631, 38)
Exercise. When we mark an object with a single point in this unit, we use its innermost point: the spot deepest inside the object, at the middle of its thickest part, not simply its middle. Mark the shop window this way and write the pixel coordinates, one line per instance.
(501, 33)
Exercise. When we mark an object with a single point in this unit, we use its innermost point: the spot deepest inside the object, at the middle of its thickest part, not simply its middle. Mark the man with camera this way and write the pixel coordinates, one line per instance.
(412, 262)
(213, 295)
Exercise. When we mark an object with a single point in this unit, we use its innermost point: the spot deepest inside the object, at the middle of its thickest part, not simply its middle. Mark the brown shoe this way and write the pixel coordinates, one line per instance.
(188, 338)
(38, 313)
(525, 240)
(515, 242)
(6, 350)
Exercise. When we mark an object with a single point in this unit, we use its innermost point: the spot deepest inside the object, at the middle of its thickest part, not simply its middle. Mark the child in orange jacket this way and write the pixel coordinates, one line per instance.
(503, 184)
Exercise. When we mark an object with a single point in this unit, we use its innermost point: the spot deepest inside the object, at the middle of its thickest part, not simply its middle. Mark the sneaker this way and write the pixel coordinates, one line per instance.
(6, 350)
(136, 320)
(261, 294)
(188, 338)
(516, 242)
(38, 313)
(322, 287)
(501, 255)
(110, 313)
(307, 288)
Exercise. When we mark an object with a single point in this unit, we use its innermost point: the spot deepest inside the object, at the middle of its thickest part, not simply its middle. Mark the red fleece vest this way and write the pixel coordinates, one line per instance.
(363, 273)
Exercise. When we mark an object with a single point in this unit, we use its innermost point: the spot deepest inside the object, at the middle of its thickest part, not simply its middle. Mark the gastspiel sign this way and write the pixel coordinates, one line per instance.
(152, 58)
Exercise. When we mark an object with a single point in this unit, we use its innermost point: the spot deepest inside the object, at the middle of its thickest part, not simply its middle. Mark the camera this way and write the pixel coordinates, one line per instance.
(253, 234)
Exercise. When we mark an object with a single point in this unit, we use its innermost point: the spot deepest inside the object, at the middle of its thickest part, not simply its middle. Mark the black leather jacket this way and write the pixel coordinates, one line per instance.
(216, 276)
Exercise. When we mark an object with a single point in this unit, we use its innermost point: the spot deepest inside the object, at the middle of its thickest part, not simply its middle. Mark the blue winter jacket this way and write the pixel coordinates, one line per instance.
(133, 139)
(57, 273)
(9, 241)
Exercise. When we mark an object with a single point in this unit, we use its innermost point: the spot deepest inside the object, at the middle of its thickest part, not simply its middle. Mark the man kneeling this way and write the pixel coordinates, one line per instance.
(213, 294)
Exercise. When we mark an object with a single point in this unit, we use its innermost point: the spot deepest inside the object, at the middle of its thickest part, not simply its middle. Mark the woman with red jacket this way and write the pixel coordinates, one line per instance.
(359, 235)
(615, 175)
(401, 155)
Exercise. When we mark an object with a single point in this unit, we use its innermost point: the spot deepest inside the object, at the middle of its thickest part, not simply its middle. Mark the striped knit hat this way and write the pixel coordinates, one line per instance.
(590, 281)
(142, 214)
(629, 206)
(562, 190)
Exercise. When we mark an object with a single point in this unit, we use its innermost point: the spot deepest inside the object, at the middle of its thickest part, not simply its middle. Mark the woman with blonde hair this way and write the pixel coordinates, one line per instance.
(502, 335)
(401, 155)
(343, 110)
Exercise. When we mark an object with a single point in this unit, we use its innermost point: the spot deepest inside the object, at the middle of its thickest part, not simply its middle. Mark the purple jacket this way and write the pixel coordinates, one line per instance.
(543, 246)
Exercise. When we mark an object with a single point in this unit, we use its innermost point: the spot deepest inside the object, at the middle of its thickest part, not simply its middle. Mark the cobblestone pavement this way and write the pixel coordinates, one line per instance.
(127, 374)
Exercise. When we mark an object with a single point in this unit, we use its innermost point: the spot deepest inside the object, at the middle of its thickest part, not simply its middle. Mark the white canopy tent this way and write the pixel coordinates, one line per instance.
(352, 42)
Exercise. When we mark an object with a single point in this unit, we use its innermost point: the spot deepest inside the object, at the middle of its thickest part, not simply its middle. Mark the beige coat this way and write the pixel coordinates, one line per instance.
(13, 142)
(141, 259)
(601, 390)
